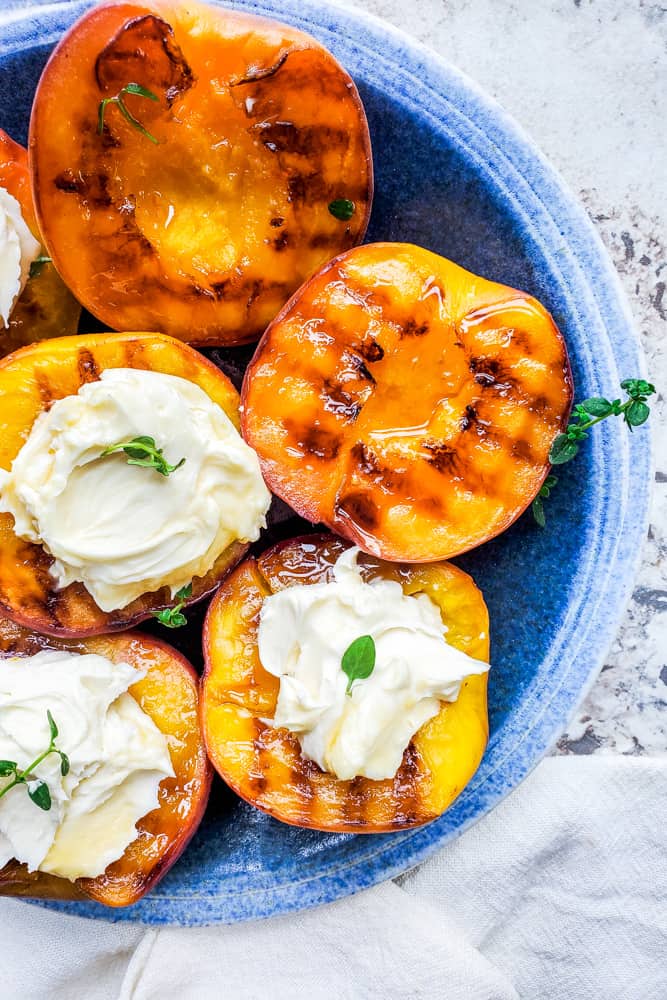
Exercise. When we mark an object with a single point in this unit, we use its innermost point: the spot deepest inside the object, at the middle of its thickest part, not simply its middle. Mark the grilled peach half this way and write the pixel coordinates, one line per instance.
(169, 695)
(30, 379)
(265, 766)
(406, 403)
(203, 227)
(46, 308)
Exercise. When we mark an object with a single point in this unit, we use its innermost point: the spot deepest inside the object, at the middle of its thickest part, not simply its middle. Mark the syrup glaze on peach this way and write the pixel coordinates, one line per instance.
(265, 766)
(30, 380)
(207, 232)
(406, 403)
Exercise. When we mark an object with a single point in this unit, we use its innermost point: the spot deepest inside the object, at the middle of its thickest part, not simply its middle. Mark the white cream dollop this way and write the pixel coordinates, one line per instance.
(18, 249)
(303, 634)
(121, 529)
(117, 755)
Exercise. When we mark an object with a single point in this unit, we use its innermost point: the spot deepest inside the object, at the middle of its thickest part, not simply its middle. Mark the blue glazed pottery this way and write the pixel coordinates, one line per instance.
(453, 174)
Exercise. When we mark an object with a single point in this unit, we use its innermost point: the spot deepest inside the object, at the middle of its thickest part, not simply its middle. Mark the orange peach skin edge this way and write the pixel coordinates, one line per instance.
(169, 695)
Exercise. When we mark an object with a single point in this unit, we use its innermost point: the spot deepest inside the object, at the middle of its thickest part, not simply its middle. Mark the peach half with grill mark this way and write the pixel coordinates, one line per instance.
(265, 766)
(203, 217)
(407, 404)
(30, 380)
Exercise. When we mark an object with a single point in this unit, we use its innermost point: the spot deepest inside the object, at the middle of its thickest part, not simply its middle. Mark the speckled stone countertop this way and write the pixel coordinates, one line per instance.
(587, 79)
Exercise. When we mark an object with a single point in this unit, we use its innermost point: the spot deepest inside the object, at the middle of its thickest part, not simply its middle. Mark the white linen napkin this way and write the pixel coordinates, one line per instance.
(560, 893)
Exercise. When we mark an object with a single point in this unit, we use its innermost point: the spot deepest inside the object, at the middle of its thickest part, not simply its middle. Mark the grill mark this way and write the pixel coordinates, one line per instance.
(354, 801)
(406, 787)
(69, 183)
(340, 403)
(370, 350)
(129, 228)
(281, 241)
(49, 598)
(308, 188)
(315, 441)
(368, 464)
(256, 73)
(360, 366)
(44, 389)
(134, 354)
(490, 373)
(305, 188)
(131, 43)
(304, 140)
(303, 775)
(359, 508)
(442, 457)
(86, 366)
(523, 449)
(304, 788)
(93, 187)
(257, 777)
(365, 460)
(413, 329)
(256, 289)
(471, 418)
(520, 339)
(317, 241)
(200, 292)
(233, 290)
(108, 140)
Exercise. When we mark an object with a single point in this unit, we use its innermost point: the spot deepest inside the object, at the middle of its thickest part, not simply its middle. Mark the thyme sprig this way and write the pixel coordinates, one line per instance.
(635, 412)
(119, 101)
(144, 452)
(38, 790)
(174, 617)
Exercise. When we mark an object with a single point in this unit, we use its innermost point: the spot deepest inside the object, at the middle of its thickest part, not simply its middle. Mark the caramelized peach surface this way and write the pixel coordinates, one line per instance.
(207, 231)
(29, 380)
(46, 308)
(265, 765)
(169, 695)
(406, 403)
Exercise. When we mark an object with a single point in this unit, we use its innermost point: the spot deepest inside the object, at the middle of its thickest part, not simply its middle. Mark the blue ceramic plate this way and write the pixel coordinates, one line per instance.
(453, 174)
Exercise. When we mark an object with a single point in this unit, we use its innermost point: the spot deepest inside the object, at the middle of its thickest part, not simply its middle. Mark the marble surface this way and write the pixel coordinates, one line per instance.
(586, 79)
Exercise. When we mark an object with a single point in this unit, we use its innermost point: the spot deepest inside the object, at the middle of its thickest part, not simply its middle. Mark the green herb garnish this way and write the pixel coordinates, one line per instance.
(358, 661)
(37, 265)
(38, 790)
(634, 411)
(118, 100)
(544, 494)
(144, 452)
(174, 617)
(342, 209)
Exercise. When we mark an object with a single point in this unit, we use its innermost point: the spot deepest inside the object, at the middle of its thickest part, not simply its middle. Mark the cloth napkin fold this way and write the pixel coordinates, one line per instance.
(560, 893)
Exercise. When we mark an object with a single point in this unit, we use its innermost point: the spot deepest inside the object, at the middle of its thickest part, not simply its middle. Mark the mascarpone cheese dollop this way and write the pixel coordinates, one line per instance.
(18, 249)
(117, 755)
(303, 634)
(120, 529)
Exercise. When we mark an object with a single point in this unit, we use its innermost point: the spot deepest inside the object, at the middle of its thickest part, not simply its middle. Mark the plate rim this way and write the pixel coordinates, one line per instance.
(608, 301)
